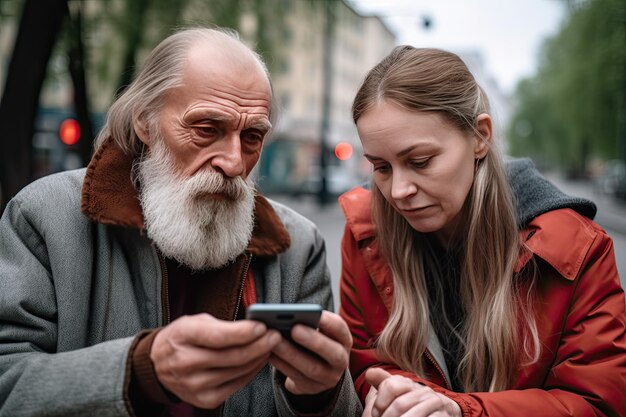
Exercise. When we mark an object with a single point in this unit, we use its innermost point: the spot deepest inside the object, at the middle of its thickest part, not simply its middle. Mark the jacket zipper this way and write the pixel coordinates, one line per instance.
(434, 362)
(246, 267)
(165, 296)
(243, 284)
(165, 303)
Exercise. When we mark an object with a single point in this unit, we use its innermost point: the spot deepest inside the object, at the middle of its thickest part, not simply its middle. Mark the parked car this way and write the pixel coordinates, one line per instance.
(338, 180)
(612, 181)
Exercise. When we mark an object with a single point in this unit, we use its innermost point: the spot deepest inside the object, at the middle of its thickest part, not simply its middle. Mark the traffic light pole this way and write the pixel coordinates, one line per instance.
(323, 194)
(77, 73)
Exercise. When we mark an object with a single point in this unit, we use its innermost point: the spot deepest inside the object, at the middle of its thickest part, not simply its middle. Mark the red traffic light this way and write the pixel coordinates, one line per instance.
(343, 150)
(69, 132)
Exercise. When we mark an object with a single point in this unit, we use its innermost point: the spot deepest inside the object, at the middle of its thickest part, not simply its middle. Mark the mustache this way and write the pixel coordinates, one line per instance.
(212, 182)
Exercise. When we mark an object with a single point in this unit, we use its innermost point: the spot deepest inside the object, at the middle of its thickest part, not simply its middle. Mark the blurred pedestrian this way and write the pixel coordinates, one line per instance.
(461, 299)
(123, 284)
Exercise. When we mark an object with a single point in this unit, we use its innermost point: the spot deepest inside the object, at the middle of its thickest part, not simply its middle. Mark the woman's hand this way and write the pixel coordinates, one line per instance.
(395, 395)
(369, 402)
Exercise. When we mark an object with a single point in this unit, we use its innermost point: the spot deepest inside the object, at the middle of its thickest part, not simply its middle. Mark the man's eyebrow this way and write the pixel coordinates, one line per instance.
(213, 116)
(209, 116)
(262, 124)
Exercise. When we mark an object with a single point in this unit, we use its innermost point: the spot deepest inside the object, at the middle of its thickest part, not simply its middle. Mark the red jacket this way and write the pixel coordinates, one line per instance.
(581, 321)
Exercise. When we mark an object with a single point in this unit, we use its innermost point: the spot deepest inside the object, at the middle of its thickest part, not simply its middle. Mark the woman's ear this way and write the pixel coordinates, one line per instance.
(141, 129)
(484, 141)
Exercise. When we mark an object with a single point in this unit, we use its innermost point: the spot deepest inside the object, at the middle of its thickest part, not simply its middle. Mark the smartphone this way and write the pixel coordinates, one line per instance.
(282, 317)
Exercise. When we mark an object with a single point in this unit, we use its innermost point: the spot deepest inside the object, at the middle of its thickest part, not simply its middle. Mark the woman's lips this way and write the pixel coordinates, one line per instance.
(416, 210)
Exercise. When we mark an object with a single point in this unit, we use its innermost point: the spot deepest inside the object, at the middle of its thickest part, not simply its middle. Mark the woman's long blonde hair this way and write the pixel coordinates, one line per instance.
(438, 81)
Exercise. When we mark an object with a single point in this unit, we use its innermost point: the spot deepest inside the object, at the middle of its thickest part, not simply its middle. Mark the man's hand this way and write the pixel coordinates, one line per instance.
(204, 360)
(322, 362)
(395, 395)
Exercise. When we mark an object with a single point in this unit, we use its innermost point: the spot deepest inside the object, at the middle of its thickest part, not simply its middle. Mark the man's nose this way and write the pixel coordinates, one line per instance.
(402, 186)
(228, 160)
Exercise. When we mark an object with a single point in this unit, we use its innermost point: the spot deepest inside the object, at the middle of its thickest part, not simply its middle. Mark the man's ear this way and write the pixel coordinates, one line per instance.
(485, 128)
(141, 129)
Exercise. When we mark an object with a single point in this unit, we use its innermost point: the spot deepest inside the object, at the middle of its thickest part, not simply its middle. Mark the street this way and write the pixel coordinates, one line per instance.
(330, 222)
(611, 216)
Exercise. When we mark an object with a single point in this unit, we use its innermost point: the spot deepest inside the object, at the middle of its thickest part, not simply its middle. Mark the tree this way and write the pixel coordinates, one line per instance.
(39, 26)
(141, 24)
(135, 26)
(580, 85)
(76, 66)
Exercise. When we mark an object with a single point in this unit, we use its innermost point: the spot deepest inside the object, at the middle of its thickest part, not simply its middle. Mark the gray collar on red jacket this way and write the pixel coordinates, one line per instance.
(545, 235)
(109, 197)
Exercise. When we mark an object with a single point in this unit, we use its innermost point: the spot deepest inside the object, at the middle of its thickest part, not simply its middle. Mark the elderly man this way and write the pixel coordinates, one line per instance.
(123, 286)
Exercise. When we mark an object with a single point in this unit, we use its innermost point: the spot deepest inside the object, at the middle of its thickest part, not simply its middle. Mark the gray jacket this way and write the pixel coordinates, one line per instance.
(74, 293)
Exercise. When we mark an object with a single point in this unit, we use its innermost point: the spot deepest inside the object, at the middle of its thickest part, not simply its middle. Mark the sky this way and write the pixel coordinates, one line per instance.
(509, 33)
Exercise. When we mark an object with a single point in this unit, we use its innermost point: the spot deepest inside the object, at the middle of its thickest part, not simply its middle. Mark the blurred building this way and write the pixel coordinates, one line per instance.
(291, 158)
(499, 101)
(359, 41)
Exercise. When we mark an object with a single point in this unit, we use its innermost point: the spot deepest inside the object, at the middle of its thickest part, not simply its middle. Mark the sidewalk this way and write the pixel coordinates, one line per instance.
(330, 222)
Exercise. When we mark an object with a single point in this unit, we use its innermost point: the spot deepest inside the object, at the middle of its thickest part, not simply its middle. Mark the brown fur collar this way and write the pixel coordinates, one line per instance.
(109, 197)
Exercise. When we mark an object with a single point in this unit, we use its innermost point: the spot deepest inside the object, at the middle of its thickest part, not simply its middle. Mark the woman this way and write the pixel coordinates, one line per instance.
(457, 307)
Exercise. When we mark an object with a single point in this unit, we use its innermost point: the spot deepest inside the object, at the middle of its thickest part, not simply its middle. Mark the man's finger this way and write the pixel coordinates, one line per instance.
(193, 357)
(202, 380)
(332, 343)
(322, 346)
(286, 369)
(335, 327)
(206, 331)
(296, 382)
(214, 396)
(302, 361)
(239, 355)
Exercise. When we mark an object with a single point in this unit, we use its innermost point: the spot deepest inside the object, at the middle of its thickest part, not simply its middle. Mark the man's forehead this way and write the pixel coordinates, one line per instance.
(231, 63)
(232, 84)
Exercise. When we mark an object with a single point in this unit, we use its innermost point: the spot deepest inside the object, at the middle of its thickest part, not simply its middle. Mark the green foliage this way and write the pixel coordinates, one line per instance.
(573, 108)
(10, 9)
(136, 26)
(117, 34)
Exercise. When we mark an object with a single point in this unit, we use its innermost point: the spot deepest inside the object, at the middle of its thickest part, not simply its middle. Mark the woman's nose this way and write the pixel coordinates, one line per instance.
(402, 186)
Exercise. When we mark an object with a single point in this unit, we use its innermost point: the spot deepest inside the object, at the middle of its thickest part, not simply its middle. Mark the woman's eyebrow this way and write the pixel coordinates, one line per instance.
(402, 152)
(372, 157)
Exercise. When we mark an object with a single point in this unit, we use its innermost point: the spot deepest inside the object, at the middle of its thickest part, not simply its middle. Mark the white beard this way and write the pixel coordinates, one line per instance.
(184, 221)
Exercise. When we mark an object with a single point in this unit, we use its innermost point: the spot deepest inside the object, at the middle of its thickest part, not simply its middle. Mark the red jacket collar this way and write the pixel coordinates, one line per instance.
(562, 238)
(356, 205)
(109, 197)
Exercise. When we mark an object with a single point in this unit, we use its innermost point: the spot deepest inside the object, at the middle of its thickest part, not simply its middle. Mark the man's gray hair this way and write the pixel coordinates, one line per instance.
(162, 71)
